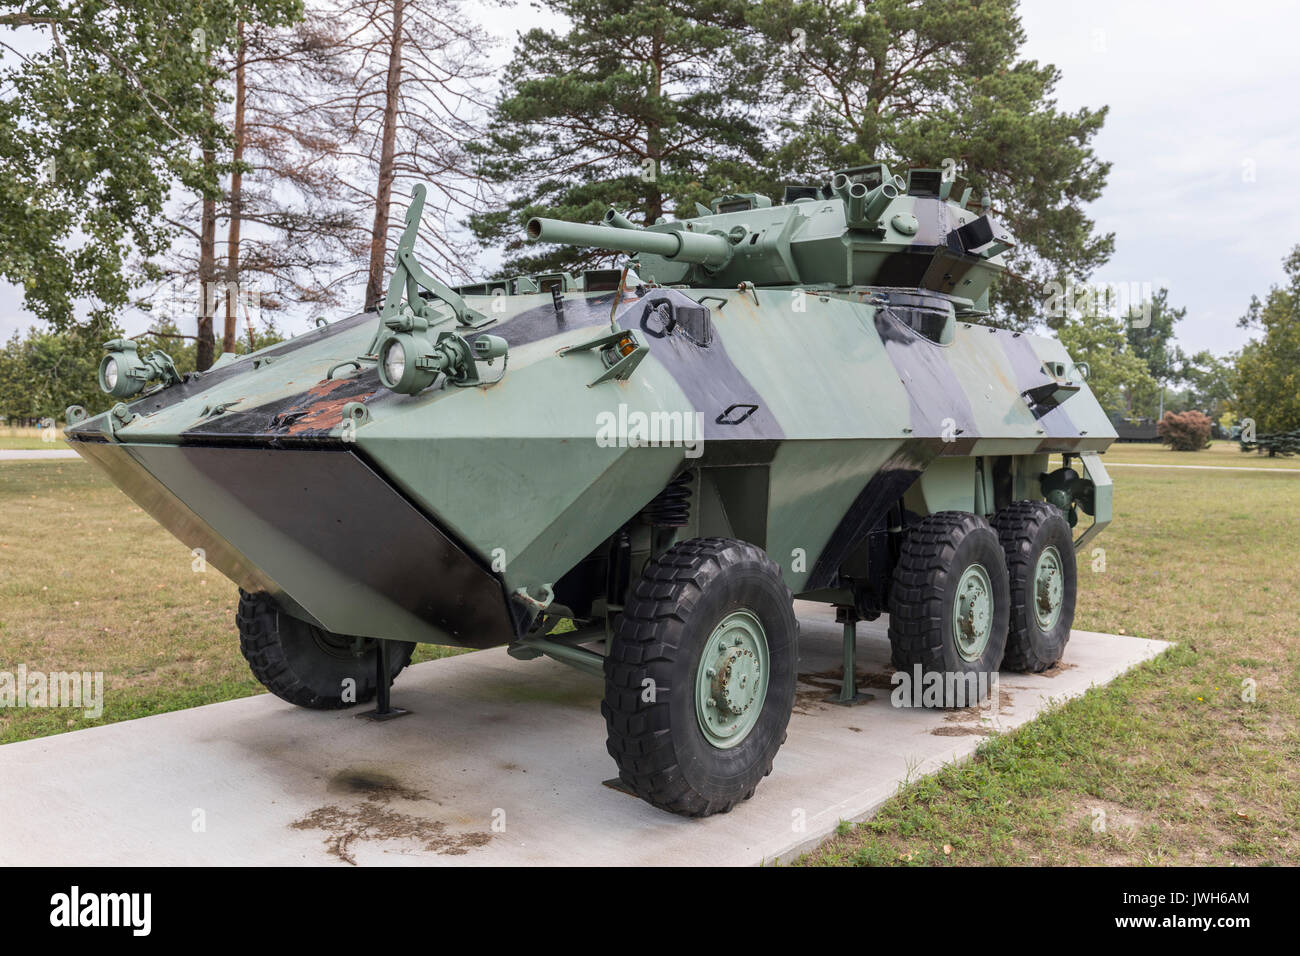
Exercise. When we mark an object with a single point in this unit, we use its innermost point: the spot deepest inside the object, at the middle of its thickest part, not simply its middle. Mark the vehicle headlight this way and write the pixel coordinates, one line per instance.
(394, 362)
(409, 363)
(122, 373)
(406, 363)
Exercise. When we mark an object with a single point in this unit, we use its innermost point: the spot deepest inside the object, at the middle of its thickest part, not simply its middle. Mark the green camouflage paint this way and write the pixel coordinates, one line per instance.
(817, 365)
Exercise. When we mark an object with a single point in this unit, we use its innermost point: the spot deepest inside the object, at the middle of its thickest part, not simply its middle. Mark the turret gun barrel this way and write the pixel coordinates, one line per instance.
(676, 245)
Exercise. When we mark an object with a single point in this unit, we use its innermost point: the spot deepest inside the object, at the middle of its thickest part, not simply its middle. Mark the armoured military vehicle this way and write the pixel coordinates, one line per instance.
(635, 470)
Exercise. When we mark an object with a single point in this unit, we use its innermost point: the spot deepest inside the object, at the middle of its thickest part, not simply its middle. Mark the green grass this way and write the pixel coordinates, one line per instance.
(88, 582)
(1220, 453)
(1185, 771)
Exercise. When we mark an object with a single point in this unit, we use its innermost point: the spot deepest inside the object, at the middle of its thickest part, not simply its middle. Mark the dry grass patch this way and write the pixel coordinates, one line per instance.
(26, 439)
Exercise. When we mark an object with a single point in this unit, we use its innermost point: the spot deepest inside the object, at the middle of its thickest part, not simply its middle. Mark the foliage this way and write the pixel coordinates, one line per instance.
(935, 84)
(1210, 383)
(1119, 378)
(93, 135)
(1184, 431)
(1268, 369)
(280, 216)
(650, 105)
(1150, 333)
(44, 372)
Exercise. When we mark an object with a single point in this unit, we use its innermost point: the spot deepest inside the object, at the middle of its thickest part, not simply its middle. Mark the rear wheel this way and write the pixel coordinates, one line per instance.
(700, 676)
(948, 608)
(1044, 582)
(308, 666)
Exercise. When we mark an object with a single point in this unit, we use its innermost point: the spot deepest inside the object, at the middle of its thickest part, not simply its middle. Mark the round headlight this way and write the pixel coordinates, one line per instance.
(110, 374)
(394, 362)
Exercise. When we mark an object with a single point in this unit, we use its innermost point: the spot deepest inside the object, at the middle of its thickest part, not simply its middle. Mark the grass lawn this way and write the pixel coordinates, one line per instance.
(1220, 453)
(1184, 769)
(89, 582)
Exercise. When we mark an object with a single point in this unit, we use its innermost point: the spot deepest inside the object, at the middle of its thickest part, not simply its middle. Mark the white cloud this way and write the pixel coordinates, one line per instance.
(1195, 91)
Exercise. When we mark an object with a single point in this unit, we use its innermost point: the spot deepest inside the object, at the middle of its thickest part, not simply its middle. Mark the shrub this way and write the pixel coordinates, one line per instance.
(1184, 431)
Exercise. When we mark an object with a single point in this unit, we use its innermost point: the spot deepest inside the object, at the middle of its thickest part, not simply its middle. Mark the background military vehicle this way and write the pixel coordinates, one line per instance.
(634, 471)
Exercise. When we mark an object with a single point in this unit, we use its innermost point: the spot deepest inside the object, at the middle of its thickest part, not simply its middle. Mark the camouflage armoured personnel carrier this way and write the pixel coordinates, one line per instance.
(635, 471)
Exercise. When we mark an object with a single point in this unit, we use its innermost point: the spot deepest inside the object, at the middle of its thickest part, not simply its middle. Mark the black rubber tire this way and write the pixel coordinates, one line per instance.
(287, 656)
(935, 552)
(1025, 529)
(662, 754)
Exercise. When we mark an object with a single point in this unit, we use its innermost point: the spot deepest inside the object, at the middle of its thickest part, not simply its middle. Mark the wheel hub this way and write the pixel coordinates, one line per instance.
(973, 612)
(731, 684)
(1049, 588)
(339, 645)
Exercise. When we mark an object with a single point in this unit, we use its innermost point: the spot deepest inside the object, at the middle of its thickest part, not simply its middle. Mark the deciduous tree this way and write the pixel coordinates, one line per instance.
(1268, 368)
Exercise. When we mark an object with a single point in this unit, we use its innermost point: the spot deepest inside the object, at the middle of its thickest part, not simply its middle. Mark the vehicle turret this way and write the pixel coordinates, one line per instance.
(863, 228)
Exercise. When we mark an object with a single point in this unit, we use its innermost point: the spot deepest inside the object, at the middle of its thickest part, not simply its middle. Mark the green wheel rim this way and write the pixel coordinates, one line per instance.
(1049, 588)
(972, 612)
(731, 682)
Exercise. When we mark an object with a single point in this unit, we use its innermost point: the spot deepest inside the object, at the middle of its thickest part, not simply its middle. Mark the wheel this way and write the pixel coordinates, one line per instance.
(948, 608)
(304, 664)
(1044, 582)
(700, 676)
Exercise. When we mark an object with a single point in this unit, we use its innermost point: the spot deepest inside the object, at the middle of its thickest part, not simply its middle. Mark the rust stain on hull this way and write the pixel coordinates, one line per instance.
(320, 409)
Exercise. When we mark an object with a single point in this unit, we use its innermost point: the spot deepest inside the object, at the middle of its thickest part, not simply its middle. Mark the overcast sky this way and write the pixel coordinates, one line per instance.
(1203, 134)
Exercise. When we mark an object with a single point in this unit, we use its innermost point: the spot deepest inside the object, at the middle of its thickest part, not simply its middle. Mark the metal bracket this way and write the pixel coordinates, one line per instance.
(537, 604)
(849, 694)
(409, 277)
(1103, 494)
(119, 417)
(383, 685)
(624, 367)
(338, 365)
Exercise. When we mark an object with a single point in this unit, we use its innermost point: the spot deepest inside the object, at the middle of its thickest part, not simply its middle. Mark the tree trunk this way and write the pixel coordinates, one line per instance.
(207, 249)
(384, 192)
(654, 197)
(236, 187)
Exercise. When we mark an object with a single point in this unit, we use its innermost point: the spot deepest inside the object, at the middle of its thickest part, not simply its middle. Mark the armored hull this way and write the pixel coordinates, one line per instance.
(811, 424)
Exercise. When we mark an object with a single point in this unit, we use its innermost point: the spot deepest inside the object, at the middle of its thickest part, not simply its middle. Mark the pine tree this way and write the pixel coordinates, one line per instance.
(942, 85)
(278, 230)
(647, 105)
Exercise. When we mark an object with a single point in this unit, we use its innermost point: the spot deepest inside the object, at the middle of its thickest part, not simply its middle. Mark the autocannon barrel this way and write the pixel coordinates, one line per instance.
(712, 251)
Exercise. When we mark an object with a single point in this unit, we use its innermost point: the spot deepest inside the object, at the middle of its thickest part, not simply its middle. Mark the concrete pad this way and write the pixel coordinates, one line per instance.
(37, 454)
(501, 762)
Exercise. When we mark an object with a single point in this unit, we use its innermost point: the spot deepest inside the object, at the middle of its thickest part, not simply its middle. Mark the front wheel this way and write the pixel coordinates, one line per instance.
(308, 666)
(700, 676)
